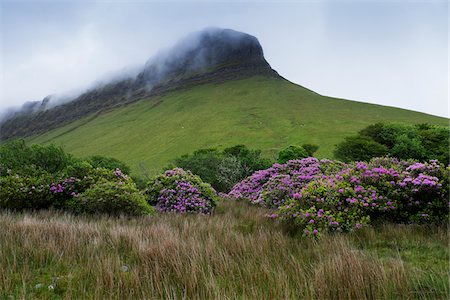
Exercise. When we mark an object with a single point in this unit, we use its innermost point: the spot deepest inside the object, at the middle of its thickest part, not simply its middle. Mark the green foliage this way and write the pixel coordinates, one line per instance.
(26, 191)
(291, 152)
(404, 141)
(250, 159)
(310, 149)
(223, 169)
(110, 197)
(18, 156)
(359, 148)
(41, 177)
(99, 161)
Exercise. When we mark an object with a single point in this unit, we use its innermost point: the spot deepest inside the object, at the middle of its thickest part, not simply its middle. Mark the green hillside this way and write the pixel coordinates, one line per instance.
(260, 112)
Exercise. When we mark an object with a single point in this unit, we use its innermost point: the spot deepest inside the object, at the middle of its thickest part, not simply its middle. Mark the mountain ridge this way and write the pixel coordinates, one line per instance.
(211, 55)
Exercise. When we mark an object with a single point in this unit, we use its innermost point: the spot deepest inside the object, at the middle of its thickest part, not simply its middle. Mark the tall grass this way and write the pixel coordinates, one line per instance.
(236, 253)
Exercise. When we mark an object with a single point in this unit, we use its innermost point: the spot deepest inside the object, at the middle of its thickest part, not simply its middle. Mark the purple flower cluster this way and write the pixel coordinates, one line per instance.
(65, 186)
(179, 191)
(326, 194)
(183, 198)
(271, 187)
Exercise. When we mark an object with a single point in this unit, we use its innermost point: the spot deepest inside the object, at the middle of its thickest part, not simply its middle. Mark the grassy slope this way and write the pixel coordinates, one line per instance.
(237, 253)
(262, 113)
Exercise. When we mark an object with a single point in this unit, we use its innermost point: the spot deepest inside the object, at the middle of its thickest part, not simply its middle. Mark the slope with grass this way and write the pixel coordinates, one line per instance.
(261, 112)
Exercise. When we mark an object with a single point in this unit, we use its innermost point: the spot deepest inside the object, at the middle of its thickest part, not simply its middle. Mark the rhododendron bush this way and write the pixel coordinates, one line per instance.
(317, 195)
(180, 191)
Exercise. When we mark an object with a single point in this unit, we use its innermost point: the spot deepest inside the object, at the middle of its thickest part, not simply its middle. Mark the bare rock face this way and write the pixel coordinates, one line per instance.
(210, 49)
(211, 55)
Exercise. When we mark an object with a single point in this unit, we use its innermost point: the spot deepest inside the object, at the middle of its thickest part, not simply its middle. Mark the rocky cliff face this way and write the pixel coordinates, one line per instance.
(211, 55)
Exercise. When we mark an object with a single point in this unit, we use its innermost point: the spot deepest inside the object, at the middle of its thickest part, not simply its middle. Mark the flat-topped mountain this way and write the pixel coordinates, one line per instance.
(211, 55)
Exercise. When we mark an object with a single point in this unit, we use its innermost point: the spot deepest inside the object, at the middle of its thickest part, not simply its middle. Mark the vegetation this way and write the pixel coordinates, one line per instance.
(236, 253)
(290, 153)
(223, 169)
(316, 196)
(98, 161)
(180, 191)
(261, 113)
(47, 177)
(404, 141)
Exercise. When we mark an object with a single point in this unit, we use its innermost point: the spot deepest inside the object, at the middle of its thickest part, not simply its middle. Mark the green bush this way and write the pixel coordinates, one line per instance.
(404, 141)
(110, 197)
(290, 153)
(26, 191)
(98, 161)
(222, 169)
(17, 156)
(359, 148)
(310, 149)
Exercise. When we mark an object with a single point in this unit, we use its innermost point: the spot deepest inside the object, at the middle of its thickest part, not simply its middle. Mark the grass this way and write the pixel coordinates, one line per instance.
(235, 253)
(262, 113)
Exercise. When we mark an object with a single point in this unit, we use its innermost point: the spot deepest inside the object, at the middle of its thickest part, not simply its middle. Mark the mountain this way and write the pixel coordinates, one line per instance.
(211, 55)
(212, 89)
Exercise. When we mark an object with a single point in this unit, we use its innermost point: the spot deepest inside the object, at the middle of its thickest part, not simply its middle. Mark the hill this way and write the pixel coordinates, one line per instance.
(210, 55)
(260, 111)
(214, 88)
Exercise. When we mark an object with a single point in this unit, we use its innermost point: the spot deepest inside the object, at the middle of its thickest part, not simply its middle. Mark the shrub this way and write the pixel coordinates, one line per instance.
(290, 153)
(111, 197)
(268, 181)
(317, 196)
(310, 149)
(180, 191)
(204, 163)
(222, 169)
(250, 159)
(26, 191)
(404, 141)
(79, 177)
(98, 161)
(21, 158)
(325, 205)
(230, 171)
(359, 148)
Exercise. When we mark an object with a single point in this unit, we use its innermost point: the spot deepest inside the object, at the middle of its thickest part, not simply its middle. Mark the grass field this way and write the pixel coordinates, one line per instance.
(263, 113)
(235, 253)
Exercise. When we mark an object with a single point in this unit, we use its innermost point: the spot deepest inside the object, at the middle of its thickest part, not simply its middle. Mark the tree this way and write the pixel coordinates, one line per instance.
(291, 152)
(310, 149)
(359, 148)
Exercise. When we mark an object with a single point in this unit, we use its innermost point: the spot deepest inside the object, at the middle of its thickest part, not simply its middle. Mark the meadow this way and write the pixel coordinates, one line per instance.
(235, 253)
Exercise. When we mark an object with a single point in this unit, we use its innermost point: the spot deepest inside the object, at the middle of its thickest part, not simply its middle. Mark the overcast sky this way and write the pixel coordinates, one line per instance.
(386, 52)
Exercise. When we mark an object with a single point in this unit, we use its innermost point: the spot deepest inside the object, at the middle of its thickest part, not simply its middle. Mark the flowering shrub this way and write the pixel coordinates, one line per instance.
(112, 198)
(18, 191)
(329, 195)
(180, 191)
(271, 187)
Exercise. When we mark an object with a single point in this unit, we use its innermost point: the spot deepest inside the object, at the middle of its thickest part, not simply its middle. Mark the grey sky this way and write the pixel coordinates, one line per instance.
(386, 52)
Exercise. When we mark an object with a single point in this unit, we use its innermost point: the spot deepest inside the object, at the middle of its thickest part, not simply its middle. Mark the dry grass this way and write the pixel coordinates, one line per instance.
(237, 253)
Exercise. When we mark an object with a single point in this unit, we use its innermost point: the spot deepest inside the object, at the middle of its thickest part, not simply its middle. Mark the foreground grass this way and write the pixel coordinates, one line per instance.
(259, 112)
(236, 253)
